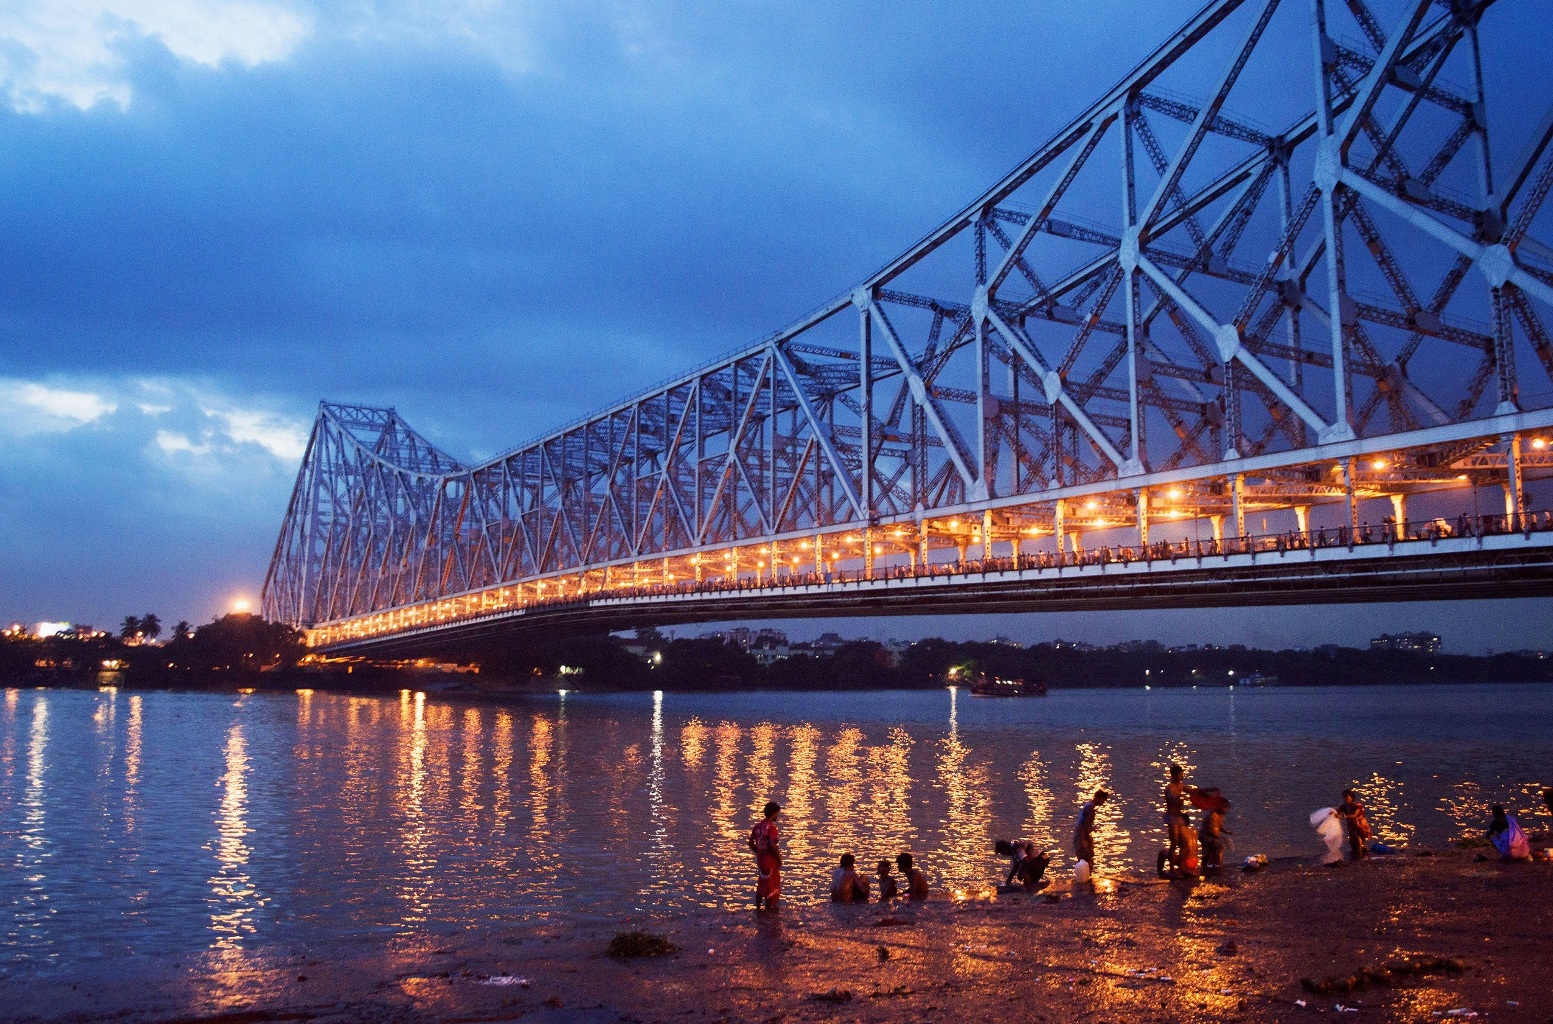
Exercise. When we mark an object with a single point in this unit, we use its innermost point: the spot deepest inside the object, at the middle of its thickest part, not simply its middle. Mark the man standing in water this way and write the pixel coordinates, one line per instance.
(1183, 842)
(768, 858)
(1084, 833)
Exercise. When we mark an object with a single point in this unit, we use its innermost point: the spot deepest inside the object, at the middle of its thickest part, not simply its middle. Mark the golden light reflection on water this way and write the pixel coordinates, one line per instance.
(415, 839)
(762, 765)
(132, 757)
(692, 742)
(842, 824)
(1039, 825)
(726, 807)
(236, 899)
(1382, 799)
(798, 807)
(420, 814)
(471, 770)
(1463, 804)
(964, 848)
(889, 808)
(658, 806)
(502, 769)
(1112, 840)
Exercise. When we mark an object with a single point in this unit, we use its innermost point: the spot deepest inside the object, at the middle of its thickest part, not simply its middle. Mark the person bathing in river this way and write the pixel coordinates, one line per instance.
(916, 881)
(846, 885)
(1211, 834)
(768, 858)
(1027, 864)
(1351, 811)
(1182, 853)
(1084, 831)
(888, 890)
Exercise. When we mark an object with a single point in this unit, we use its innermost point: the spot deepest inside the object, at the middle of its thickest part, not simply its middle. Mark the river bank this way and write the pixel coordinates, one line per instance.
(1232, 948)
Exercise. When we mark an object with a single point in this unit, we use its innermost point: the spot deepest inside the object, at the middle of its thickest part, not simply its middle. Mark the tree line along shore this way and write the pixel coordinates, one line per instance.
(246, 650)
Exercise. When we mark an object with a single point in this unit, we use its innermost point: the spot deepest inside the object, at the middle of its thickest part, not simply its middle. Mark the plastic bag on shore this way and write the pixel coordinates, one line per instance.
(1329, 827)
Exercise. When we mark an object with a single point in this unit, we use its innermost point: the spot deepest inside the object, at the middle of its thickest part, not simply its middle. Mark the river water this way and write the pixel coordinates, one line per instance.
(178, 824)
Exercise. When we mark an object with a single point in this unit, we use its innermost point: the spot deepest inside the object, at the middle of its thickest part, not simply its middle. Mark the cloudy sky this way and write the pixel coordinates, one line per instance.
(494, 216)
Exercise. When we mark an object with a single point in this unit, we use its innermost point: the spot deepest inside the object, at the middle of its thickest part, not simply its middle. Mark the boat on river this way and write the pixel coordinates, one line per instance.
(983, 685)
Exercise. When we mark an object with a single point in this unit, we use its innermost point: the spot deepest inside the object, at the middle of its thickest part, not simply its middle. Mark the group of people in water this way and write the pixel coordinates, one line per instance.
(847, 883)
(1189, 851)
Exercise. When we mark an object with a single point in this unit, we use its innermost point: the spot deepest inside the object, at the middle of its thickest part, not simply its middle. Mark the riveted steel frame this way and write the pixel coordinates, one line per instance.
(1166, 294)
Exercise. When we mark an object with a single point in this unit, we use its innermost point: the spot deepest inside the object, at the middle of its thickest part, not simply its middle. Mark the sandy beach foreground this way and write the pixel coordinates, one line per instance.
(1475, 935)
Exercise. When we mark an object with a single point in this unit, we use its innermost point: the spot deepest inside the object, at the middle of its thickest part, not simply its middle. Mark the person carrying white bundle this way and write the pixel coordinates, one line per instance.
(1330, 828)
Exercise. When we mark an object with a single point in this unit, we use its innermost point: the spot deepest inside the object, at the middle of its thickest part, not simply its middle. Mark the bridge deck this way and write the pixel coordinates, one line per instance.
(1324, 567)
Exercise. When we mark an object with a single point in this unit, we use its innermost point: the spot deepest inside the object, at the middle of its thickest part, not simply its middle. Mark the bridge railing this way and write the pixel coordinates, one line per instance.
(493, 603)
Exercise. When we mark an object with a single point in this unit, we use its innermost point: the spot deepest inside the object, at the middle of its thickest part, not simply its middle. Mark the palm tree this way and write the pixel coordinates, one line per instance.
(151, 626)
(183, 630)
(130, 629)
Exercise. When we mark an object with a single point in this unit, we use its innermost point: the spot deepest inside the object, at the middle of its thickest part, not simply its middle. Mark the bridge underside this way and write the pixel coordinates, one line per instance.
(1497, 566)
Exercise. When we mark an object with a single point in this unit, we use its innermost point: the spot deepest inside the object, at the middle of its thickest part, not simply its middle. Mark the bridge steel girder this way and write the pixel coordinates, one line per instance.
(1032, 349)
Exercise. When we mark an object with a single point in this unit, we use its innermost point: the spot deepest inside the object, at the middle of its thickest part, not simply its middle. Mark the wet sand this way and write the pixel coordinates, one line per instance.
(1231, 948)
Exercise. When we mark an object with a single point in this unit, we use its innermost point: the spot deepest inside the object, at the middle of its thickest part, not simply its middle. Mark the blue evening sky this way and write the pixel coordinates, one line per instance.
(494, 216)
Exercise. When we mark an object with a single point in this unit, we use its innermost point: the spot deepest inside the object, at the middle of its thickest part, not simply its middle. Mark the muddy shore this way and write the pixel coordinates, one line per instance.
(1462, 936)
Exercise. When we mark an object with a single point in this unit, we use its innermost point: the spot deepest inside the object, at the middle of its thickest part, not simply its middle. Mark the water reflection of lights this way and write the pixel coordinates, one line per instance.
(964, 846)
(843, 826)
(470, 774)
(692, 742)
(889, 812)
(1382, 798)
(1042, 808)
(1112, 841)
(236, 898)
(762, 763)
(802, 784)
(415, 835)
(727, 823)
(32, 909)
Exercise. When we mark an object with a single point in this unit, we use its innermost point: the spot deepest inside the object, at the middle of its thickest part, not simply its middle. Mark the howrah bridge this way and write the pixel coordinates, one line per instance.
(1265, 324)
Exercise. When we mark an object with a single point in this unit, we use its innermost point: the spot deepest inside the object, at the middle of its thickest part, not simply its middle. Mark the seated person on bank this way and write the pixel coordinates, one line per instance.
(888, 890)
(846, 885)
(916, 881)
(1027, 864)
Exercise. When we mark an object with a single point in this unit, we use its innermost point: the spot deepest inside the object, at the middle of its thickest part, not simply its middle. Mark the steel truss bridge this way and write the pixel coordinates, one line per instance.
(1266, 323)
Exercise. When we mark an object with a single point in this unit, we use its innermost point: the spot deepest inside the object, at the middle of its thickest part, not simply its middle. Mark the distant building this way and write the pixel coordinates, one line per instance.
(1421, 643)
(827, 644)
(739, 635)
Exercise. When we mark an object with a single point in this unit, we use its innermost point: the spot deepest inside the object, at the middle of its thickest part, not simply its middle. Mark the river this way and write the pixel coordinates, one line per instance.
(174, 824)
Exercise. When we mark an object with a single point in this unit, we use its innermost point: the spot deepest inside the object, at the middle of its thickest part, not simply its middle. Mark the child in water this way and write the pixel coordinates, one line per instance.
(888, 890)
(1210, 835)
(846, 885)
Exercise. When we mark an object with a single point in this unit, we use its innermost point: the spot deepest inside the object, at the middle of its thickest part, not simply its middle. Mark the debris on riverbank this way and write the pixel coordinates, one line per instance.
(1436, 928)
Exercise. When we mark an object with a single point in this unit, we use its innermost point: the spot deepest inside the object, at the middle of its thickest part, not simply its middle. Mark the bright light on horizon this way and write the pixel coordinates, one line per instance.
(240, 605)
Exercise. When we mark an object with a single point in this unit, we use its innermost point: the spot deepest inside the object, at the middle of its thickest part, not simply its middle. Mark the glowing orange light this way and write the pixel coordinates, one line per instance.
(1380, 464)
(240, 605)
(1539, 443)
